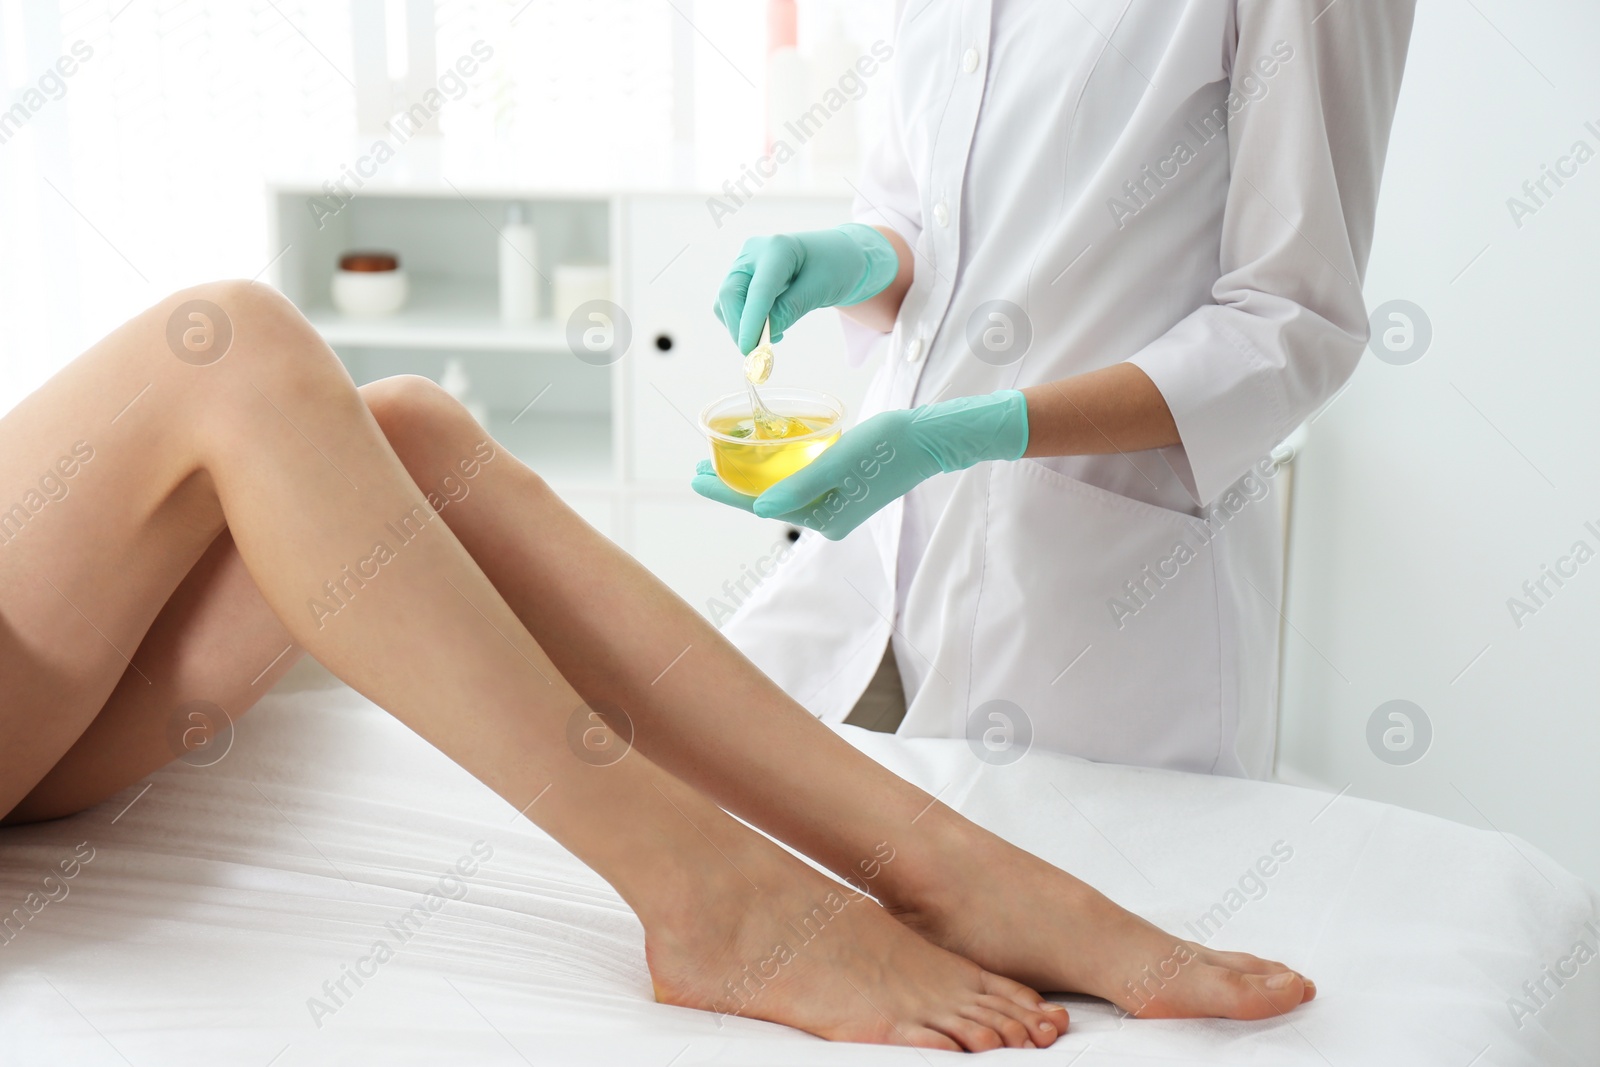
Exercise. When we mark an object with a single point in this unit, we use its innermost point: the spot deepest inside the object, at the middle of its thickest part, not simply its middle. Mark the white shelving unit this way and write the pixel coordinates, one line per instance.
(445, 313)
(619, 442)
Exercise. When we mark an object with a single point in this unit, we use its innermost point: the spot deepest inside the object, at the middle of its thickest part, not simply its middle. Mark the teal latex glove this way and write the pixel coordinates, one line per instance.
(781, 278)
(882, 460)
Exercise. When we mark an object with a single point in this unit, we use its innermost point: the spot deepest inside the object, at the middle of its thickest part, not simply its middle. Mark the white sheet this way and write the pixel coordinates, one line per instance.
(216, 906)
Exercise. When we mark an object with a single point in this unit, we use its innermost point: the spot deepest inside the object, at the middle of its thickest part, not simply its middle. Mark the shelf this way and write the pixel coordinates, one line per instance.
(441, 314)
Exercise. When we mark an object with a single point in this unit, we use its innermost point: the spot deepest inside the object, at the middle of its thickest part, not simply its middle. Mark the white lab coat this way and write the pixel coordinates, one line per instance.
(1188, 185)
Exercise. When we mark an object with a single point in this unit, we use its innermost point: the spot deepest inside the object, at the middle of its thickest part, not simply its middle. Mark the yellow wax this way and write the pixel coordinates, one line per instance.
(753, 464)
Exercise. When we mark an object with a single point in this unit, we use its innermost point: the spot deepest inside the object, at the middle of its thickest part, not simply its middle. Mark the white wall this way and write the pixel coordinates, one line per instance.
(1429, 493)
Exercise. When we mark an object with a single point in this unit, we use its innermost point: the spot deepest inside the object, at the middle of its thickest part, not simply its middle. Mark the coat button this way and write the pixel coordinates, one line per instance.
(941, 214)
(914, 350)
(969, 61)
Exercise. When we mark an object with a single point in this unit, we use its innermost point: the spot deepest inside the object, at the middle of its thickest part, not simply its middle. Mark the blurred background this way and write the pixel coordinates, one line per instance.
(622, 150)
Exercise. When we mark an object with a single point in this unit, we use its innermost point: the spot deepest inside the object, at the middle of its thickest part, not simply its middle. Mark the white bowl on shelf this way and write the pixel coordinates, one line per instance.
(374, 288)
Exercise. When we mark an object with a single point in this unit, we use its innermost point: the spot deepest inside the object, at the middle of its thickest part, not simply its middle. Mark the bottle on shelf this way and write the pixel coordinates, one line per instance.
(519, 273)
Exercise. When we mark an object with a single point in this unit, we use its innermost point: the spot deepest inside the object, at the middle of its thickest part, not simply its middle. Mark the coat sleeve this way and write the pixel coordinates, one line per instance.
(887, 194)
(1288, 323)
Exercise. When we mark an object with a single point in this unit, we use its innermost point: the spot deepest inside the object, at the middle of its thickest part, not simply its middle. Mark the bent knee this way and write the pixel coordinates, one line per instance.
(243, 326)
(431, 431)
(228, 311)
(243, 297)
(401, 395)
(408, 405)
(242, 348)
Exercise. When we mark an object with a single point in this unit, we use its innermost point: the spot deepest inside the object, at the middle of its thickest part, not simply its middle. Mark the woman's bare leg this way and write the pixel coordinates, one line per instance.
(702, 711)
(272, 441)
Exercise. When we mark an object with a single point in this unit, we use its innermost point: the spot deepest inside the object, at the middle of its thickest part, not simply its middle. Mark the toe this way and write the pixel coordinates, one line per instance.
(1013, 1032)
(1242, 961)
(1257, 996)
(1042, 1028)
(923, 1037)
(1045, 1021)
(1001, 986)
(1248, 964)
(970, 1035)
(1222, 992)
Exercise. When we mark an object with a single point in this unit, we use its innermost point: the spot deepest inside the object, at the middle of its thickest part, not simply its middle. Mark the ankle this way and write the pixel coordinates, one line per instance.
(920, 869)
(696, 894)
(951, 859)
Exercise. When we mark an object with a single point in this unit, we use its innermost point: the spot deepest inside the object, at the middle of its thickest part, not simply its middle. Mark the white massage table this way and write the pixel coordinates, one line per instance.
(220, 901)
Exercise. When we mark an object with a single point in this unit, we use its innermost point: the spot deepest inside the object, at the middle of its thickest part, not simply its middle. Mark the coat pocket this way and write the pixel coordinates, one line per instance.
(1098, 616)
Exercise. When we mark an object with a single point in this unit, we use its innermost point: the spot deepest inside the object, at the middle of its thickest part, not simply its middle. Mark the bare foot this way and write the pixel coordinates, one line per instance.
(809, 953)
(1015, 914)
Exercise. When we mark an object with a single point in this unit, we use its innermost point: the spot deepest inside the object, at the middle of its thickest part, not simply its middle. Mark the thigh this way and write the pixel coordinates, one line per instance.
(214, 649)
(103, 511)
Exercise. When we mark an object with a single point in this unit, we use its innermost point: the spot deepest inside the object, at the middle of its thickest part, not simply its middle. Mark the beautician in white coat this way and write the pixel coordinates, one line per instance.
(1118, 248)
